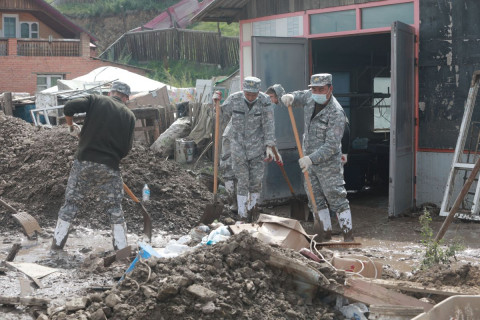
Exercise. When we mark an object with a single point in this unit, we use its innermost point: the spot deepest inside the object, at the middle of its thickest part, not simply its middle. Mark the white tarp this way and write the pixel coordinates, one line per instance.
(136, 82)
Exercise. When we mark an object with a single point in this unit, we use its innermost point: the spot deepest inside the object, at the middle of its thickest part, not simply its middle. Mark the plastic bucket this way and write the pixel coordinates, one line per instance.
(184, 150)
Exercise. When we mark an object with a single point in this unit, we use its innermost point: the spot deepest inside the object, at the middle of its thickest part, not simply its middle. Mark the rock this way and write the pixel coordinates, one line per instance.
(147, 291)
(181, 281)
(77, 304)
(112, 300)
(96, 297)
(201, 292)
(98, 315)
(167, 290)
(208, 308)
(42, 317)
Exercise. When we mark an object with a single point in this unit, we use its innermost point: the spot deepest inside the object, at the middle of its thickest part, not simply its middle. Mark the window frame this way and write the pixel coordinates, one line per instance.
(48, 78)
(17, 25)
(30, 31)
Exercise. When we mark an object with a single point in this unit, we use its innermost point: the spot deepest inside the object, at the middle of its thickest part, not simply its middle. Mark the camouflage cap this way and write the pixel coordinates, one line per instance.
(121, 87)
(320, 80)
(251, 84)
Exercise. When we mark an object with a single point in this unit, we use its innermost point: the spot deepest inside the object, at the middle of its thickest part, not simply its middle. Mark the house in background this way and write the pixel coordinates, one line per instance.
(401, 69)
(39, 46)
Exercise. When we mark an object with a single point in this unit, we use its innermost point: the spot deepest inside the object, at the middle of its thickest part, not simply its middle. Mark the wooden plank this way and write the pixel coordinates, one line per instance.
(370, 293)
(24, 301)
(7, 103)
(418, 287)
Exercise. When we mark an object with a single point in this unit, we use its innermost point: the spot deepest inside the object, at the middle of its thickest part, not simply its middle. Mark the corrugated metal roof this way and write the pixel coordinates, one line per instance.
(221, 11)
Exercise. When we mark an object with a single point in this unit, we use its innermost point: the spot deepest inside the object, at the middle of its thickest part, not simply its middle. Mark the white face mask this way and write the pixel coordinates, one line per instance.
(250, 102)
(319, 98)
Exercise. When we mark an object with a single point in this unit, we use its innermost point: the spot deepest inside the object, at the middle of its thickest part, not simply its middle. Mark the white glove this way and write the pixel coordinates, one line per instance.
(270, 154)
(217, 95)
(287, 99)
(304, 163)
(74, 130)
(279, 159)
(344, 158)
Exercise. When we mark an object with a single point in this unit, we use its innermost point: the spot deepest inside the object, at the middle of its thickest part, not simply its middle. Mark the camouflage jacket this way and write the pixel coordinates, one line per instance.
(252, 129)
(322, 138)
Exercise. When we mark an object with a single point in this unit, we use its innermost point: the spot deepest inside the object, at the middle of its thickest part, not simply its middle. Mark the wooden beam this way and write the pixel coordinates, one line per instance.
(24, 301)
(372, 294)
(7, 103)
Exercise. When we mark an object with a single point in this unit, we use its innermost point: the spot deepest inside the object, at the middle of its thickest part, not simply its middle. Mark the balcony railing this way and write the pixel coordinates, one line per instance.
(3, 47)
(49, 48)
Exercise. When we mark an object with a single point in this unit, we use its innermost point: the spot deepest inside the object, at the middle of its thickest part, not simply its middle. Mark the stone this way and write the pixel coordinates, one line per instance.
(208, 308)
(201, 292)
(112, 300)
(77, 304)
(98, 315)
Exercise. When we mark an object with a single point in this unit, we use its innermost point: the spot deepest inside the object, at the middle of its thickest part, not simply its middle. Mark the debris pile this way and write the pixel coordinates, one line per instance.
(35, 163)
(230, 280)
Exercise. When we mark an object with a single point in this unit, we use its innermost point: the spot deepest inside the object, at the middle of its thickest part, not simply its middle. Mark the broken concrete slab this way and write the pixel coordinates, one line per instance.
(77, 304)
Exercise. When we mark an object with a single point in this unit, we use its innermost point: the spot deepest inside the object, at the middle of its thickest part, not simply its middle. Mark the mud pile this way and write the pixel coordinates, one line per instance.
(35, 163)
(464, 275)
(230, 280)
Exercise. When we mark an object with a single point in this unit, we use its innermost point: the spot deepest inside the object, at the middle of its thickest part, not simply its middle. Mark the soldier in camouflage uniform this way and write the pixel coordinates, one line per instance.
(253, 135)
(106, 138)
(275, 93)
(324, 123)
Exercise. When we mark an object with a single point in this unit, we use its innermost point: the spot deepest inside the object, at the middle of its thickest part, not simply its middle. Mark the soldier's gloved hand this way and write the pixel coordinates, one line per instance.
(74, 130)
(279, 159)
(270, 154)
(305, 163)
(217, 95)
(344, 158)
(287, 99)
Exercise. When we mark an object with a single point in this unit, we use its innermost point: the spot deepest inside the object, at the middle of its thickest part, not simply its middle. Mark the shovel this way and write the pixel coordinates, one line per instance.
(317, 225)
(297, 207)
(147, 220)
(214, 210)
(29, 224)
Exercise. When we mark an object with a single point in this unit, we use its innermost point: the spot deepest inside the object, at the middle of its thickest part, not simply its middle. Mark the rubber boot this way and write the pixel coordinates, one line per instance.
(60, 235)
(252, 214)
(242, 206)
(345, 221)
(119, 233)
(230, 188)
(324, 217)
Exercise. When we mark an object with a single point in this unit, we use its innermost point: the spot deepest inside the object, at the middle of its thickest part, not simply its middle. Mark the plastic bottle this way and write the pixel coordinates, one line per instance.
(145, 193)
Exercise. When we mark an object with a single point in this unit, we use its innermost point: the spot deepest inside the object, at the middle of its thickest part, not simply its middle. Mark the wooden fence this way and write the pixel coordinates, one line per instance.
(176, 44)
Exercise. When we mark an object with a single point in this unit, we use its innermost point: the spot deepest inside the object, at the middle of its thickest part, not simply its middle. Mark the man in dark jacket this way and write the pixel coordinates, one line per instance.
(105, 138)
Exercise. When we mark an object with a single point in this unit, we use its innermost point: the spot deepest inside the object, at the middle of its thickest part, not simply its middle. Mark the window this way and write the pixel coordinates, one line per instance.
(333, 21)
(9, 26)
(383, 16)
(45, 81)
(29, 30)
(381, 106)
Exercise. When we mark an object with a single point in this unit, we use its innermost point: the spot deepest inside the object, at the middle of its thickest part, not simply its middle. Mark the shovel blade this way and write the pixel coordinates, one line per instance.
(212, 212)
(147, 223)
(29, 224)
(297, 210)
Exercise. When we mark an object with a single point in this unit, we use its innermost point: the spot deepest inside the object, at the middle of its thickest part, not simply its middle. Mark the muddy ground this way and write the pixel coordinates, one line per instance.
(233, 278)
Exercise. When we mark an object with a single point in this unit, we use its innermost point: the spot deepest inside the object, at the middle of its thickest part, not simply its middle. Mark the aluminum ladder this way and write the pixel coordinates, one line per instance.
(459, 166)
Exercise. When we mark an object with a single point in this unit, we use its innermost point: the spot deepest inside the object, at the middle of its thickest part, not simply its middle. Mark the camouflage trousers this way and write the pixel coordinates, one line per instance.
(328, 188)
(249, 174)
(105, 182)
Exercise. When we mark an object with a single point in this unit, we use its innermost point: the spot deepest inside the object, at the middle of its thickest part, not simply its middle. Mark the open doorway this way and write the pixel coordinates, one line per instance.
(360, 66)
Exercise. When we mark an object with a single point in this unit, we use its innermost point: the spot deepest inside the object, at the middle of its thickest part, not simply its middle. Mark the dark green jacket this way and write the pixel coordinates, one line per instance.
(107, 133)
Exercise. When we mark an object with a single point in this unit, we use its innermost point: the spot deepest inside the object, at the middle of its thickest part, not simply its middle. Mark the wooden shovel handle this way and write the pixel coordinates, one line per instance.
(300, 152)
(217, 137)
(283, 171)
(7, 206)
(130, 193)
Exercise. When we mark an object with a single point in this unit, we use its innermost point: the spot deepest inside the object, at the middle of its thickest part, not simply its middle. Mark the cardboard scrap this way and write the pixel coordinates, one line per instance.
(32, 270)
(284, 232)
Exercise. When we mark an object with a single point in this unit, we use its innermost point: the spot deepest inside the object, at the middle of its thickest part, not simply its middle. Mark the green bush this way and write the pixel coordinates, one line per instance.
(435, 252)
(183, 74)
(102, 8)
